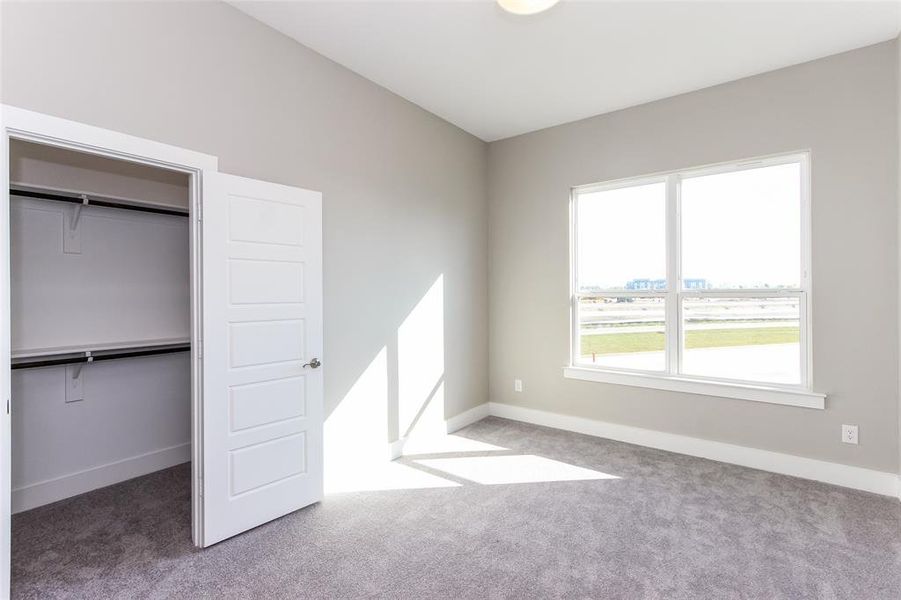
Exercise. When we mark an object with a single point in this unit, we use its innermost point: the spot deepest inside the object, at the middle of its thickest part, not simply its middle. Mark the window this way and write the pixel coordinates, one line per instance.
(699, 276)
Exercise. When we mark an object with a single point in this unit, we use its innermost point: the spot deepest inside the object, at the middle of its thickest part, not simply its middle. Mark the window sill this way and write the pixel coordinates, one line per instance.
(741, 391)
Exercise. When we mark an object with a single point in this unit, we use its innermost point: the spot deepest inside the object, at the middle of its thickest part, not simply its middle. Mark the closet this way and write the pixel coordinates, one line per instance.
(160, 312)
(100, 302)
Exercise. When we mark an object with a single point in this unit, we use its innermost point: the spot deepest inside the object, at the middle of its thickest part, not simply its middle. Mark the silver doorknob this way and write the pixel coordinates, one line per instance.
(313, 364)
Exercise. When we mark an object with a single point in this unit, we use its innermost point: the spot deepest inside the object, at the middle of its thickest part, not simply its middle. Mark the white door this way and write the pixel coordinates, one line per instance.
(262, 342)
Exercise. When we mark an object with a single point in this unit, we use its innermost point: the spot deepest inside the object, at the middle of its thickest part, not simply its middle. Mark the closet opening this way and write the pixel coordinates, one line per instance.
(102, 369)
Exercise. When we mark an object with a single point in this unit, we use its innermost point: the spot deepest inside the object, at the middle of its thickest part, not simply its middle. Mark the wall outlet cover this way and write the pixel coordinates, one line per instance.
(849, 434)
(517, 385)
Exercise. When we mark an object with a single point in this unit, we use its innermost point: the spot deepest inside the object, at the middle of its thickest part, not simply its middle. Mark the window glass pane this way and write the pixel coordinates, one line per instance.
(742, 229)
(624, 333)
(752, 339)
(622, 238)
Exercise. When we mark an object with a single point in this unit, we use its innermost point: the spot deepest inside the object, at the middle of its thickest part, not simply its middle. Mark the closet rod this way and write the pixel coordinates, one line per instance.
(70, 358)
(91, 200)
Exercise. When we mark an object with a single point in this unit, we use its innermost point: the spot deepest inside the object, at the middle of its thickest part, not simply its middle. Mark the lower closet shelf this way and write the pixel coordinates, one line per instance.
(69, 356)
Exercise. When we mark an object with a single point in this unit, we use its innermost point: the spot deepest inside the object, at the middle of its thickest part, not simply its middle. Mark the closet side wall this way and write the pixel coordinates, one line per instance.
(129, 282)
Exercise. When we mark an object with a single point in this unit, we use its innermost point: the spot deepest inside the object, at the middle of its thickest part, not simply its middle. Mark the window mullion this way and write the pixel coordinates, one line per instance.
(673, 277)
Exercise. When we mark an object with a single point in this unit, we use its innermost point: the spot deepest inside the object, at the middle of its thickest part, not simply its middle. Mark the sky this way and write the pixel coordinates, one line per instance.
(739, 229)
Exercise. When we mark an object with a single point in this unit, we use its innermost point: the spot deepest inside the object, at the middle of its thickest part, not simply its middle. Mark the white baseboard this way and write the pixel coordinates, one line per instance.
(879, 482)
(396, 448)
(467, 417)
(44, 492)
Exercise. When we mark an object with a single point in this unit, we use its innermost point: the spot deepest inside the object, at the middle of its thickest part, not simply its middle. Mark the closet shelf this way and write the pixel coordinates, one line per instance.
(98, 347)
(68, 355)
(28, 191)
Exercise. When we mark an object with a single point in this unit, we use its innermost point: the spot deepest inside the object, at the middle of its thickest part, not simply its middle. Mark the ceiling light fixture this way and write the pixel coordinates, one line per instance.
(526, 7)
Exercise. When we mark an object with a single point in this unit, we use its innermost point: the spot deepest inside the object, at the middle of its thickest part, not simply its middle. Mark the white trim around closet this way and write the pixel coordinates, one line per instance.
(29, 126)
(53, 131)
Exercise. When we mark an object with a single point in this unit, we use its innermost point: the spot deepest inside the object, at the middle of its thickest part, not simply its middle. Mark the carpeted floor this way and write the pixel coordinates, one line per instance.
(667, 526)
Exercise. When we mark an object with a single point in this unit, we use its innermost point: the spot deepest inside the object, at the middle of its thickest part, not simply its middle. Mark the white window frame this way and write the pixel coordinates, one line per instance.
(671, 379)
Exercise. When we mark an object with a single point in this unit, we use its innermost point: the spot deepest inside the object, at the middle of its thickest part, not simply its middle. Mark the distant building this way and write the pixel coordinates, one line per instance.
(651, 284)
(695, 284)
(646, 284)
(660, 284)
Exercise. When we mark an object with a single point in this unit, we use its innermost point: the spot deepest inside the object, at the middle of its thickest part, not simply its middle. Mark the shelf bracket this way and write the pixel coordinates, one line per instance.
(74, 381)
(73, 222)
(76, 369)
(71, 237)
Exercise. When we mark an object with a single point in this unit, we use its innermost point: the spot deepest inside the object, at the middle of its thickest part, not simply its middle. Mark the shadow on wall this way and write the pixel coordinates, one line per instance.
(402, 391)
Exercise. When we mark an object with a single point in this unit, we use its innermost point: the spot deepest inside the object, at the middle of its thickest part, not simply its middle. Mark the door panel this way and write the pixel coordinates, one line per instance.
(255, 404)
(265, 342)
(262, 322)
(259, 282)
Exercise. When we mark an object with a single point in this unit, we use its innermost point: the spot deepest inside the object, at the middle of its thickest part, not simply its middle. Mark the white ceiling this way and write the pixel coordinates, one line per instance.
(497, 75)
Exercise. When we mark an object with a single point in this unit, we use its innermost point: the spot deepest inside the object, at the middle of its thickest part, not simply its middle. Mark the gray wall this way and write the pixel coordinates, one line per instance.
(403, 191)
(845, 110)
(404, 204)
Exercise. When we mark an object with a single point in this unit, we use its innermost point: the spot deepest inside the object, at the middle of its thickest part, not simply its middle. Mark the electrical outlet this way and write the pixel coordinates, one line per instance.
(849, 434)
(517, 385)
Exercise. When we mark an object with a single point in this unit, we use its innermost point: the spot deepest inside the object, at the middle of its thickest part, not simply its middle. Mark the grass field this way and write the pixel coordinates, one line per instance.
(618, 343)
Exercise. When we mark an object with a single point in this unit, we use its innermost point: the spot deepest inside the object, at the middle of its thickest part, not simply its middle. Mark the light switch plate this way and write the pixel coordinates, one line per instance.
(517, 385)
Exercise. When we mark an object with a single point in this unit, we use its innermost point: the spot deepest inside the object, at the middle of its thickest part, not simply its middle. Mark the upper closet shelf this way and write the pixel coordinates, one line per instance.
(28, 191)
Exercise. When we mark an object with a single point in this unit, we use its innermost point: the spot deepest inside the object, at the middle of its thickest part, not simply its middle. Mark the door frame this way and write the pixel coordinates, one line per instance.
(20, 124)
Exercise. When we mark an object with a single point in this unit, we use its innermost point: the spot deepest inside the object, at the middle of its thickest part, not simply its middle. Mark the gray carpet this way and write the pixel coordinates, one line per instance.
(670, 526)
